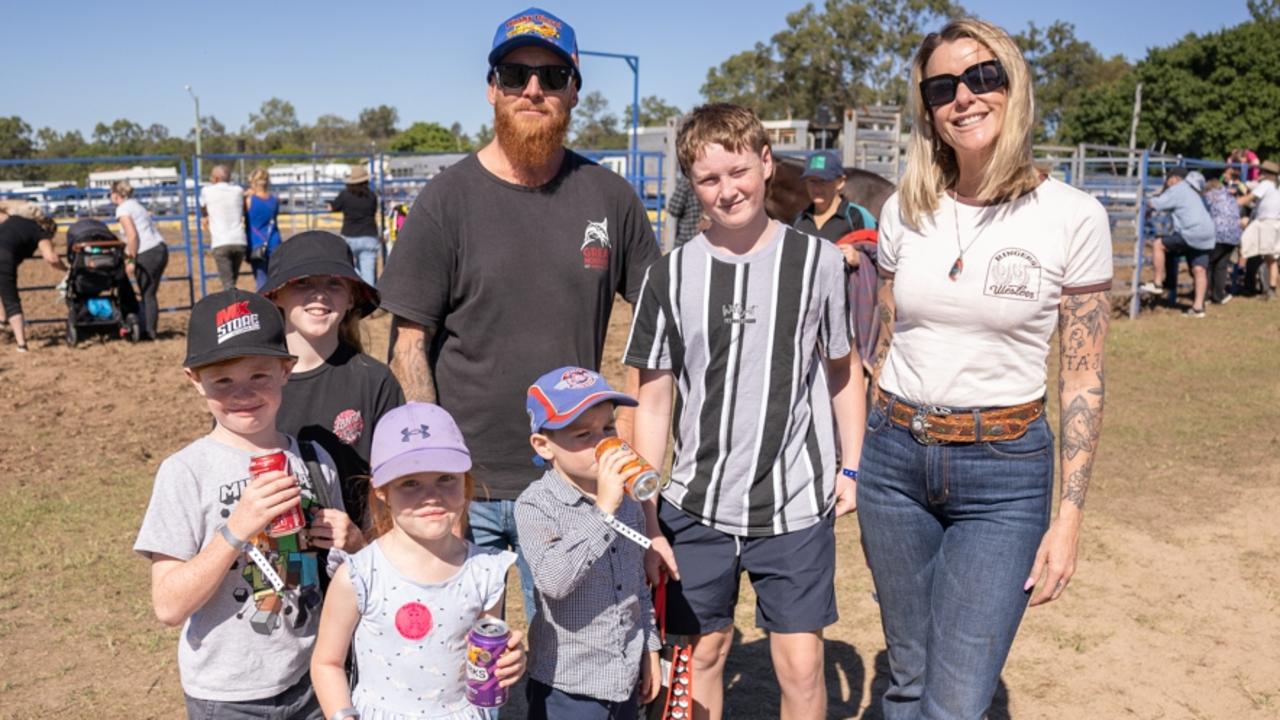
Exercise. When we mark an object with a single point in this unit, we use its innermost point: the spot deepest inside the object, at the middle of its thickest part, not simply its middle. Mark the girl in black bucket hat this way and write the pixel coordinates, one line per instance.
(336, 393)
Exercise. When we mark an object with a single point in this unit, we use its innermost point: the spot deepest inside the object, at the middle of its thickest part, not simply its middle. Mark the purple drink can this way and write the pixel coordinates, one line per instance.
(485, 643)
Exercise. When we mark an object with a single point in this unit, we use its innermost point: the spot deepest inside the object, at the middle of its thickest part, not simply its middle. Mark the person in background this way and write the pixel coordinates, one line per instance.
(1192, 237)
(222, 212)
(359, 208)
(1226, 228)
(146, 253)
(263, 210)
(684, 208)
(1261, 238)
(20, 238)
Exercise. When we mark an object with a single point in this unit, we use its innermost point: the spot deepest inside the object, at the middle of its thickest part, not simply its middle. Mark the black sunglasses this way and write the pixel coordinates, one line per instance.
(982, 78)
(514, 76)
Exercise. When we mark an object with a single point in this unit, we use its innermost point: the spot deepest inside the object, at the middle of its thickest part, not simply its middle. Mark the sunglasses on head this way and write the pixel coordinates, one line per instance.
(982, 78)
(514, 76)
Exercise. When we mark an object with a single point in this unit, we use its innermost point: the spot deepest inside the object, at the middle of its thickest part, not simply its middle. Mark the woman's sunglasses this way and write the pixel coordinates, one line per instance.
(514, 76)
(982, 78)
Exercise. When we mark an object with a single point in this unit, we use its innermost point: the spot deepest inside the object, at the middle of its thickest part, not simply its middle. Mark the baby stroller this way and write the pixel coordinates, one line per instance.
(100, 297)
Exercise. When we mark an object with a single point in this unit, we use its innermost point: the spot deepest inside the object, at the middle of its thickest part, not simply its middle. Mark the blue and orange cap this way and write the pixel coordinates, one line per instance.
(560, 396)
(536, 27)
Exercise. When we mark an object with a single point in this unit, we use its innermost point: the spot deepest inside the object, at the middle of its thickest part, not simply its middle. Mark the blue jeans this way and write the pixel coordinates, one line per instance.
(365, 250)
(492, 523)
(950, 532)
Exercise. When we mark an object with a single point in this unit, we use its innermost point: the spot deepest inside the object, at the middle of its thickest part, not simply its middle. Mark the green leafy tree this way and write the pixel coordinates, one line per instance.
(1202, 95)
(594, 127)
(483, 136)
(425, 137)
(654, 111)
(276, 125)
(1065, 68)
(15, 143)
(121, 137)
(379, 123)
(849, 53)
(336, 133)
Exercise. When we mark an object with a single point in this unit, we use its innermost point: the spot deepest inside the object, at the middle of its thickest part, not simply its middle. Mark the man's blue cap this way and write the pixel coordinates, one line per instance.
(825, 164)
(536, 27)
(560, 396)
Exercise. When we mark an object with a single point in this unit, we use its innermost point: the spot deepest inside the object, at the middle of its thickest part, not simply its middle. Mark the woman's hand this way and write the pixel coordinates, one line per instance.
(511, 662)
(1055, 560)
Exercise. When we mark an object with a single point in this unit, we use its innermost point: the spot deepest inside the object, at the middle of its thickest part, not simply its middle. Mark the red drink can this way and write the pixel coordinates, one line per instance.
(292, 520)
(485, 643)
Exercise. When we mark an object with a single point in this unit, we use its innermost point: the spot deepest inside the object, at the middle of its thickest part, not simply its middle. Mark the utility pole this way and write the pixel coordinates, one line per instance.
(1133, 128)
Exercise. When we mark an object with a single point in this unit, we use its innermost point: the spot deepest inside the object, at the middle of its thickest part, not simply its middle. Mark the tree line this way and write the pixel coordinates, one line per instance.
(1202, 95)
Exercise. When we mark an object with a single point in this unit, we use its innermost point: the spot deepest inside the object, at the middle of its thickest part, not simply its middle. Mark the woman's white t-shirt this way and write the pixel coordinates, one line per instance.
(982, 340)
(148, 235)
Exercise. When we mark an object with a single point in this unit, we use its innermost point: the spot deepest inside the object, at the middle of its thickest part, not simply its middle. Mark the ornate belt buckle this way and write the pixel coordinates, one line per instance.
(920, 423)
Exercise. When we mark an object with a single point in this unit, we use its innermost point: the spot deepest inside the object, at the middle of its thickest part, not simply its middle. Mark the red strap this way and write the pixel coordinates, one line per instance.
(660, 607)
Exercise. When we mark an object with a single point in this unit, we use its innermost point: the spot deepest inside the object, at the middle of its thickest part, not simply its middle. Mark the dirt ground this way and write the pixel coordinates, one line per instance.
(1174, 612)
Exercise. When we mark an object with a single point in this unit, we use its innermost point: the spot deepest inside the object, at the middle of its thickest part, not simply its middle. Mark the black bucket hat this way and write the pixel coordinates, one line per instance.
(317, 252)
(233, 324)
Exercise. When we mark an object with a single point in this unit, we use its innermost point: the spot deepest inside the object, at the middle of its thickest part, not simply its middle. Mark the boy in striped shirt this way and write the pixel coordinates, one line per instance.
(748, 325)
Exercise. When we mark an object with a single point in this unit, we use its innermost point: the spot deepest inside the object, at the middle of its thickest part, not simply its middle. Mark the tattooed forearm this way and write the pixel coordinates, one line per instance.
(1075, 487)
(409, 362)
(1082, 330)
(885, 312)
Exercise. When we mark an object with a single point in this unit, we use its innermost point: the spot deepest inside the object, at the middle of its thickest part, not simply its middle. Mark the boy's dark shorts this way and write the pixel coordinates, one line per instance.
(793, 576)
(548, 703)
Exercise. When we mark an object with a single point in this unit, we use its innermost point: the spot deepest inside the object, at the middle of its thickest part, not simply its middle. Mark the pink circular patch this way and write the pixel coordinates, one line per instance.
(413, 620)
(348, 425)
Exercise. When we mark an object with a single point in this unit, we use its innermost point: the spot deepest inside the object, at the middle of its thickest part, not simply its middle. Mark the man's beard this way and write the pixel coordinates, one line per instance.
(530, 143)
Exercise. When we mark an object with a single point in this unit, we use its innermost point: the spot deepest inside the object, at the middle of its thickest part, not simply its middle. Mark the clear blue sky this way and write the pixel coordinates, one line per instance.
(72, 64)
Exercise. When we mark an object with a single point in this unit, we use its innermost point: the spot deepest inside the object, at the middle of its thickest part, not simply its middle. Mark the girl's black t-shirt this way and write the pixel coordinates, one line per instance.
(19, 237)
(359, 213)
(337, 405)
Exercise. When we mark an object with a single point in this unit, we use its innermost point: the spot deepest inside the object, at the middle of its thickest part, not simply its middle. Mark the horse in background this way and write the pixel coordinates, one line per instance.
(787, 195)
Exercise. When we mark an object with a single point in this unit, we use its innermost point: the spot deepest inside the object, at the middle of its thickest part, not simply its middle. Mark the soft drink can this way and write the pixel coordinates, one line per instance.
(290, 521)
(485, 643)
(643, 482)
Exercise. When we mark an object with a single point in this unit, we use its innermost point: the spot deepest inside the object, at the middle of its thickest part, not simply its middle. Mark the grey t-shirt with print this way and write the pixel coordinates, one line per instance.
(221, 655)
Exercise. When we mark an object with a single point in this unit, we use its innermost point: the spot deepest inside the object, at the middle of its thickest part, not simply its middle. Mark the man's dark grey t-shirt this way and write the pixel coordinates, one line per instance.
(515, 282)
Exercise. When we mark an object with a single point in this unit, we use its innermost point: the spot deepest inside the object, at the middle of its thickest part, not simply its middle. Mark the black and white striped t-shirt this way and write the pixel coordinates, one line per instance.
(745, 337)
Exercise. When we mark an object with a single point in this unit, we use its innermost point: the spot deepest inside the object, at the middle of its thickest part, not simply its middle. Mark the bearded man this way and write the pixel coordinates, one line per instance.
(507, 267)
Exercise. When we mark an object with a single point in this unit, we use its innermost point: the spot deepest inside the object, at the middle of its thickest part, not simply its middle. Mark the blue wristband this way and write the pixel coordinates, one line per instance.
(852, 474)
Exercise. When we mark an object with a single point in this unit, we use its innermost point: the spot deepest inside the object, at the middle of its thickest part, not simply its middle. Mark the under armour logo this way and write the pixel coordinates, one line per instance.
(421, 432)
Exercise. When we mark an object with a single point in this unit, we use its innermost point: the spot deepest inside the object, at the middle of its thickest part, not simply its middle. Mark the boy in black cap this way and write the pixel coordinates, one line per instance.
(248, 627)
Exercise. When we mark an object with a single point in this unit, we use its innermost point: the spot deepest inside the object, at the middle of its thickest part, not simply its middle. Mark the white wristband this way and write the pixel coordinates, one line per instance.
(625, 530)
(344, 713)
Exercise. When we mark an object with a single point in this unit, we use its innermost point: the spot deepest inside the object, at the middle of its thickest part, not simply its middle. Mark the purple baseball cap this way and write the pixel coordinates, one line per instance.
(560, 396)
(417, 437)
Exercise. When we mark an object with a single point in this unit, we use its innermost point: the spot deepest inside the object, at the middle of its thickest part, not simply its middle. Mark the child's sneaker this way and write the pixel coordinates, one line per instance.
(1192, 312)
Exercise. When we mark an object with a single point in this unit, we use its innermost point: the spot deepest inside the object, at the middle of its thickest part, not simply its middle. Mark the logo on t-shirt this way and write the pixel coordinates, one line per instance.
(235, 319)
(1013, 273)
(595, 245)
(738, 313)
(348, 425)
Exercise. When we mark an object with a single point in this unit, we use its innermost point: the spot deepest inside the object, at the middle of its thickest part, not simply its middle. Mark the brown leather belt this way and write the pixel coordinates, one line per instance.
(931, 425)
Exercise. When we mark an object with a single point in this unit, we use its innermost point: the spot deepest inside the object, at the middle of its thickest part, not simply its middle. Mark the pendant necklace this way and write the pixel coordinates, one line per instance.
(957, 267)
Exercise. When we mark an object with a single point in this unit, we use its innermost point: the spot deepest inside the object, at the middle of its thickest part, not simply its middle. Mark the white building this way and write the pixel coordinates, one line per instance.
(137, 176)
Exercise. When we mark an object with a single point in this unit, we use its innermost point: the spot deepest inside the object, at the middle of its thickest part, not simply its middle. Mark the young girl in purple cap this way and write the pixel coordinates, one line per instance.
(336, 393)
(410, 597)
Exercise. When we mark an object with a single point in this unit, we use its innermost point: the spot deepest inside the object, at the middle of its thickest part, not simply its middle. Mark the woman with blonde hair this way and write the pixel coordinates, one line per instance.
(262, 209)
(981, 258)
(146, 253)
